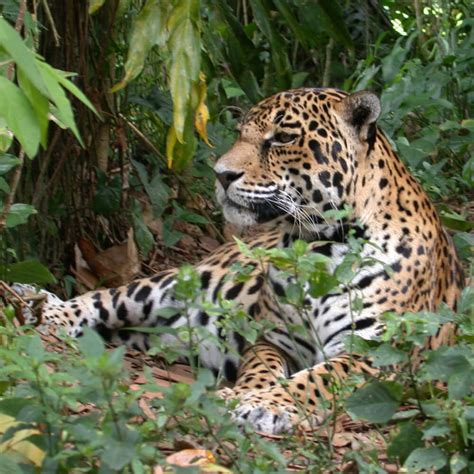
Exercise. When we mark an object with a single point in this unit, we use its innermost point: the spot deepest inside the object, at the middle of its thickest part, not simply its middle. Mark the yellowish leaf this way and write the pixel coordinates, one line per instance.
(94, 5)
(191, 457)
(18, 443)
(185, 59)
(201, 115)
(170, 144)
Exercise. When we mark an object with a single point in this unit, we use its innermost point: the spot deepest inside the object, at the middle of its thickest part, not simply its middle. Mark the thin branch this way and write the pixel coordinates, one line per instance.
(11, 195)
(50, 18)
(327, 63)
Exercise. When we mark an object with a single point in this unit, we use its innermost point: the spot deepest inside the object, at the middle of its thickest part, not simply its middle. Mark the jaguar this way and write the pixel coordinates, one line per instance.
(299, 154)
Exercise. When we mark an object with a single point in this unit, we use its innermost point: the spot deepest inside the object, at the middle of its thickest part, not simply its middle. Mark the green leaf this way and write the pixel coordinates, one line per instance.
(59, 98)
(280, 59)
(374, 402)
(19, 214)
(29, 271)
(426, 459)
(20, 116)
(170, 236)
(6, 136)
(24, 58)
(447, 361)
(35, 348)
(157, 190)
(91, 344)
(4, 186)
(143, 236)
(62, 78)
(117, 455)
(386, 354)
(94, 5)
(7, 162)
(240, 50)
(149, 29)
(39, 102)
(321, 283)
(457, 463)
(9, 465)
(408, 439)
(461, 384)
(185, 48)
(285, 10)
(333, 20)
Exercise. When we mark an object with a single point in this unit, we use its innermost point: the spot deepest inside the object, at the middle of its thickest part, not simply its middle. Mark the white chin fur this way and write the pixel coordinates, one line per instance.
(238, 216)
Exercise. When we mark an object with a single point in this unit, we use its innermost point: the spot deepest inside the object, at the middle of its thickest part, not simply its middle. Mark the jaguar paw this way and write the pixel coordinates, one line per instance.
(265, 419)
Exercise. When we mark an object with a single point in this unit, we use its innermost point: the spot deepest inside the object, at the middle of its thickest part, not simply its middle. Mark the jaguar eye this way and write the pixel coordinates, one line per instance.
(284, 138)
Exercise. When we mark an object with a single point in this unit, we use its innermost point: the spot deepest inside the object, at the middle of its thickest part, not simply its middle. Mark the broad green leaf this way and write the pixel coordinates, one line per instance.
(280, 59)
(321, 283)
(456, 222)
(58, 97)
(444, 362)
(63, 79)
(35, 349)
(91, 344)
(408, 439)
(149, 29)
(39, 102)
(8, 162)
(461, 384)
(9, 464)
(143, 236)
(29, 271)
(185, 49)
(386, 354)
(180, 154)
(157, 190)
(19, 116)
(19, 214)
(426, 459)
(240, 50)
(24, 58)
(457, 463)
(284, 8)
(374, 402)
(6, 136)
(117, 455)
(4, 186)
(333, 20)
(94, 5)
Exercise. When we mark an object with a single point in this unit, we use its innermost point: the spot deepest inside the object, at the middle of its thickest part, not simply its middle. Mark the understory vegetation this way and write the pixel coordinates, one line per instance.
(112, 113)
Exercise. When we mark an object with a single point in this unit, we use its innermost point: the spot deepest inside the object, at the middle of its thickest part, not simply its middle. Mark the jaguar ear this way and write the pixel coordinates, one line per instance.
(361, 110)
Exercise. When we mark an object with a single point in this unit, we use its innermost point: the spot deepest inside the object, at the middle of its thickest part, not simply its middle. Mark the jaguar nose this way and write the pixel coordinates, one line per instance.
(226, 178)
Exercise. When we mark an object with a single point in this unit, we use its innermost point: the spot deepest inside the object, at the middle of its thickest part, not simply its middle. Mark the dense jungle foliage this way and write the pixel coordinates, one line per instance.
(112, 113)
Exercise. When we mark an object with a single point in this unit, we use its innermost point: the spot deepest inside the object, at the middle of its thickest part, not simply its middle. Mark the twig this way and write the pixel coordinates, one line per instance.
(50, 18)
(327, 63)
(13, 187)
(22, 303)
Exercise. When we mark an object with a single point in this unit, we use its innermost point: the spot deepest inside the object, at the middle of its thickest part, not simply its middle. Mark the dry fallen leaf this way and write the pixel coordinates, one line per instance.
(197, 457)
(113, 267)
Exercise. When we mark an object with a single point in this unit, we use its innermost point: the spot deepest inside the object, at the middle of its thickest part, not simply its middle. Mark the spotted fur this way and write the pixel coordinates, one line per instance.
(300, 153)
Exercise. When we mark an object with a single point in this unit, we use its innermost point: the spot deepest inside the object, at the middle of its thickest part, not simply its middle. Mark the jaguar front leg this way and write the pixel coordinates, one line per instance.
(296, 402)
